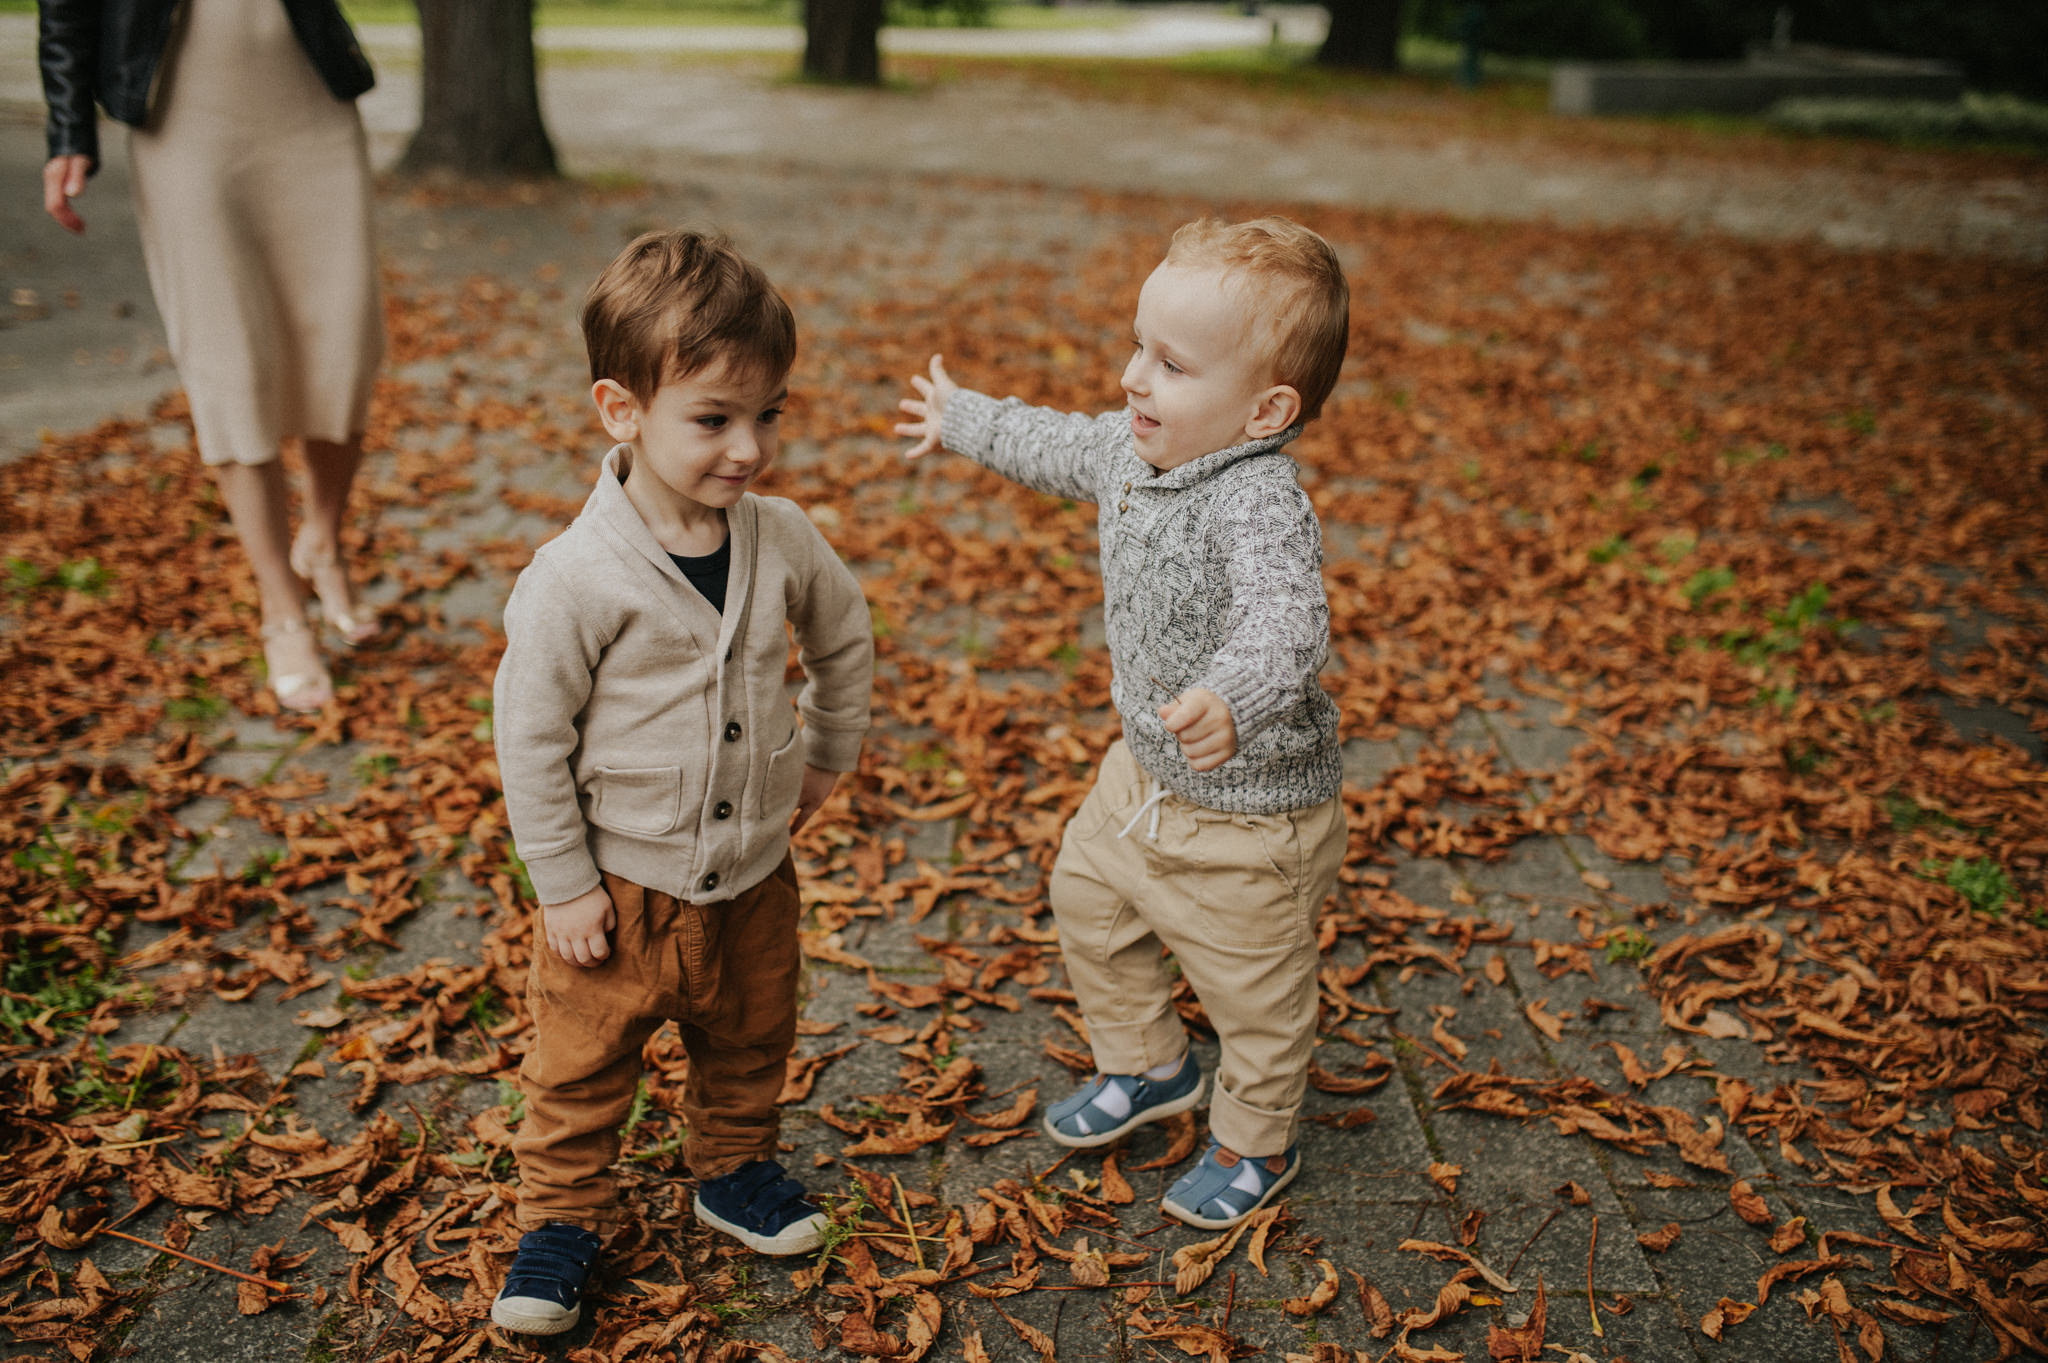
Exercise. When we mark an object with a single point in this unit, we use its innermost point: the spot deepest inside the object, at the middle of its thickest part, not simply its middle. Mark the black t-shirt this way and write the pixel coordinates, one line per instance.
(708, 573)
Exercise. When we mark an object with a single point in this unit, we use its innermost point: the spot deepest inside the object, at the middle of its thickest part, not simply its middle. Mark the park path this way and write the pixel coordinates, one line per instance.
(647, 104)
(856, 200)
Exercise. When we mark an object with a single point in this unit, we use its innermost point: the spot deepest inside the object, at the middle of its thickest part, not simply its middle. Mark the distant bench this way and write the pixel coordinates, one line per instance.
(1750, 86)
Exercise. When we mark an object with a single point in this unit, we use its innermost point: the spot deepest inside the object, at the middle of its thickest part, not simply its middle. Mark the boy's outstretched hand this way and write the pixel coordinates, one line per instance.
(817, 788)
(928, 406)
(576, 927)
(1200, 719)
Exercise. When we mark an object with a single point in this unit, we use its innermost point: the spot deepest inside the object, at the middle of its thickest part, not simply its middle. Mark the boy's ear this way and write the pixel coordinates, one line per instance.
(1278, 408)
(618, 409)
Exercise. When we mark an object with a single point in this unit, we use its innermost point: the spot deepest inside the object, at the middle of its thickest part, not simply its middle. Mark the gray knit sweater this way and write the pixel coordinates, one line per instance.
(1211, 576)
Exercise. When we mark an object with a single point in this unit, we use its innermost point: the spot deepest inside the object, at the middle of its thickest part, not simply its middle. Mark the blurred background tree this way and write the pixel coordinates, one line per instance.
(1999, 44)
(479, 99)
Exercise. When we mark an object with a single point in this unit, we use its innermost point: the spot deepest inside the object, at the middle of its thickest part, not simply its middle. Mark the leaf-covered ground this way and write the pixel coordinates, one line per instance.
(1684, 991)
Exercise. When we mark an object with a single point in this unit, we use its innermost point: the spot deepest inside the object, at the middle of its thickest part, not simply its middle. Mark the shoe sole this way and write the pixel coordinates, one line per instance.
(1156, 1113)
(801, 1238)
(512, 1319)
(1180, 1213)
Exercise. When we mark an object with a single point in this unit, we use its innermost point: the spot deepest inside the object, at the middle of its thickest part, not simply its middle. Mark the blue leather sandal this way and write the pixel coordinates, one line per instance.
(1205, 1196)
(1079, 1121)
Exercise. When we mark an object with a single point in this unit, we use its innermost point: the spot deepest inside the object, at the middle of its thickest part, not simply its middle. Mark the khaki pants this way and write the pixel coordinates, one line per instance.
(726, 973)
(1235, 898)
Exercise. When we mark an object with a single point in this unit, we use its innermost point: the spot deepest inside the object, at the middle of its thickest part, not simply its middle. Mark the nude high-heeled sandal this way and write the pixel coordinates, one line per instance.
(353, 622)
(304, 692)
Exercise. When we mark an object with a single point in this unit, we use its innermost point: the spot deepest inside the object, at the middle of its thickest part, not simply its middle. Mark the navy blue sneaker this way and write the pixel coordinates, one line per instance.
(1081, 1121)
(763, 1208)
(543, 1294)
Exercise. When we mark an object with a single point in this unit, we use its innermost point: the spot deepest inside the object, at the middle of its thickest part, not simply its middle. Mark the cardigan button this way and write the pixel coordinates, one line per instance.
(711, 881)
(1123, 506)
(732, 732)
(722, 810)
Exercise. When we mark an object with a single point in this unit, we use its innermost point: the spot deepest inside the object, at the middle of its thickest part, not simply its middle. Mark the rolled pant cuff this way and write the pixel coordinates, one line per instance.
(605, 1221)
(1255, 1132)
(704, 1168)
(1134, 1047)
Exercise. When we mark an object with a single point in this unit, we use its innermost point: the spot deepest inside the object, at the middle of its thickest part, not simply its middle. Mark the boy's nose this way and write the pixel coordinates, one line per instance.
(1133, 379)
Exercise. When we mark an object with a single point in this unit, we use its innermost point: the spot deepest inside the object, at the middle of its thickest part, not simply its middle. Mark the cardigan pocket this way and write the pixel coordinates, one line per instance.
(782, 779)
(645, 800)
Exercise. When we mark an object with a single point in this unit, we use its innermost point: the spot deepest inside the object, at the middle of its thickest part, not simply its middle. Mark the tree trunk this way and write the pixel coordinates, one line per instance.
(1364, 35)
(840, 41)
(479, 97)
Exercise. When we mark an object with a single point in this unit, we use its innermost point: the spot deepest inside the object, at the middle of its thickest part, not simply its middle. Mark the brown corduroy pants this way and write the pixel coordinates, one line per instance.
(726, 974)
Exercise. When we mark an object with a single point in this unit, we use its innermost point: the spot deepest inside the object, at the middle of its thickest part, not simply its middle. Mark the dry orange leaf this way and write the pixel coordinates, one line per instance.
(1727, 1312)
(1749, 1204)
(1544, 1020)
(1318, 1297)
(1657, 1241)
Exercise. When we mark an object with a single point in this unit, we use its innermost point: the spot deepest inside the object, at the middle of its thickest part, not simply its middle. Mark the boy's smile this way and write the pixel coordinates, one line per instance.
(698, 445)
(1195, 383)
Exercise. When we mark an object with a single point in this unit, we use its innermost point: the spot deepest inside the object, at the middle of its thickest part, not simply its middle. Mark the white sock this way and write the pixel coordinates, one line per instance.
(1247, 1180)
(1168, 1070)
(1114, 1102)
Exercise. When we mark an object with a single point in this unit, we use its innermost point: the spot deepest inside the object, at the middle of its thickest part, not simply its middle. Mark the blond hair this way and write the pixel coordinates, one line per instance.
(1303, 321)
(678, 302)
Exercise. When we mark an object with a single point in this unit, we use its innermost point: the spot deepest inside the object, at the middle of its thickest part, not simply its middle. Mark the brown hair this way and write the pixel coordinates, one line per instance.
(1304, 317)
(677, 302)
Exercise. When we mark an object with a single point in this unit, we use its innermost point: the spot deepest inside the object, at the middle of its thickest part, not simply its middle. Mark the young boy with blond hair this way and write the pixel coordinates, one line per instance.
(654, 770)
(1214, 827)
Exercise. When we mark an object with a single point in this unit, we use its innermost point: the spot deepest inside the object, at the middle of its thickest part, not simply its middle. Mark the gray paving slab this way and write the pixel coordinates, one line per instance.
(1364, 1188)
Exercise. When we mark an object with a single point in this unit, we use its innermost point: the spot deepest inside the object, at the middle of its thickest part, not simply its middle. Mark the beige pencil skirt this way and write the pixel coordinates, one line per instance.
(252, 190)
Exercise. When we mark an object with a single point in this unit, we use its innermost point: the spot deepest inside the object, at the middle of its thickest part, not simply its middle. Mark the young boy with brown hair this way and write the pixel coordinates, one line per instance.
(654, 770)
(1214, 827)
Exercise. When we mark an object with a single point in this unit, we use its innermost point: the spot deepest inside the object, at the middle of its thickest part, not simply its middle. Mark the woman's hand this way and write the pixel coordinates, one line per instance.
(576, 927)
(63, 181)
(928, 407)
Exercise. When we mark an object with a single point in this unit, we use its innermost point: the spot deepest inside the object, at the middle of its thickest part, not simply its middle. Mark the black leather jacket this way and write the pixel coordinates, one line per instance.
(108, 50)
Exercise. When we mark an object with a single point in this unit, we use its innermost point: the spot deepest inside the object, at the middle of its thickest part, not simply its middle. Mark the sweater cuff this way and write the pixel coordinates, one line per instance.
(967, 426)
(832, 749)
(1253, 700)
(560, 876)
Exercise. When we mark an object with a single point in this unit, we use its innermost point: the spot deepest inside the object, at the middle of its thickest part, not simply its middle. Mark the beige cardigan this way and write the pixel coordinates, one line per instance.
(641, 733)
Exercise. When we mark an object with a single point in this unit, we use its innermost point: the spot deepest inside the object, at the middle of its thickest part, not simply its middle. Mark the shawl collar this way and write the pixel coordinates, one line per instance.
(1209, 465)
(613, 513)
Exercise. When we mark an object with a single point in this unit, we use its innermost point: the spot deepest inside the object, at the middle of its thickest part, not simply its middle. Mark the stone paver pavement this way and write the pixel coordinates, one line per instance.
(1365, 1187)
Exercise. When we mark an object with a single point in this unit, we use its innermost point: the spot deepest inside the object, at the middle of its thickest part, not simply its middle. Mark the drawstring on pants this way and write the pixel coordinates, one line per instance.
(1151, 805)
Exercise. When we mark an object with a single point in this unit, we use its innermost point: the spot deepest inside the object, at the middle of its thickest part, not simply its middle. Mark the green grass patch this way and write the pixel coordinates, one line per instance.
(1785, 628)
(41, 988)
(197, 708)
(1979, 880)
(24, 579)
(373, 766)
(724, 13)
(1627, 944)
(1997, 121)
(100, 1086)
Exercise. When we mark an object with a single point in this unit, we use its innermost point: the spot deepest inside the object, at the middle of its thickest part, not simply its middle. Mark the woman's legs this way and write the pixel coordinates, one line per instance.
(255, 497)
(316, 552)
